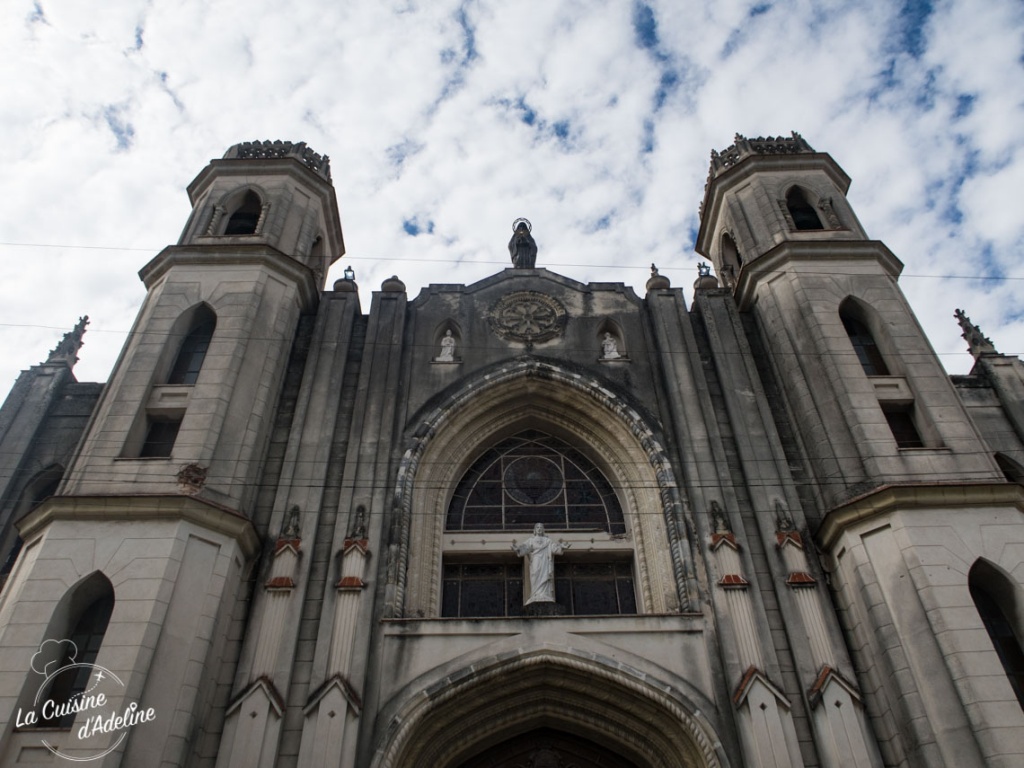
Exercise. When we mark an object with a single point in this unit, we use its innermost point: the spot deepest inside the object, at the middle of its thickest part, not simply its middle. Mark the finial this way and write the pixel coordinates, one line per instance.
(657, 282)
(977, 342)
(67, 350)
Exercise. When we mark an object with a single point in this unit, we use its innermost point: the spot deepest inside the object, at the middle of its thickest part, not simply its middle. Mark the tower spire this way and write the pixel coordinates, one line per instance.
(978, 343)
(66, 350)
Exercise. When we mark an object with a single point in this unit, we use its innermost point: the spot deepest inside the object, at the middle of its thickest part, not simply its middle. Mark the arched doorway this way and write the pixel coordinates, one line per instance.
(541, 707)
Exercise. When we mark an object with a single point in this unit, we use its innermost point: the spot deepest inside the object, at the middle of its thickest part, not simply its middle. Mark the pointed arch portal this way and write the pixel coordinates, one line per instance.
(534, 394)
(548, 710)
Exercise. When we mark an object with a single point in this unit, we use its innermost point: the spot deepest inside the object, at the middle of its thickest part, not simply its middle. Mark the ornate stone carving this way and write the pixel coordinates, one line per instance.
(527, 316)
(825, 206)
(192, 477)
(67, 350)
(978, 343)
(320, 164)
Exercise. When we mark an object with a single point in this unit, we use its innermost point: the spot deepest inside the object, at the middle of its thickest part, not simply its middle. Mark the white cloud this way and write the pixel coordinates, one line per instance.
(540, 109)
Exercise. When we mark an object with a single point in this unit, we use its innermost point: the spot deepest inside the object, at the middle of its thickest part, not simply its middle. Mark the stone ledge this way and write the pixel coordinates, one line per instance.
(894, 498)
(144, 508)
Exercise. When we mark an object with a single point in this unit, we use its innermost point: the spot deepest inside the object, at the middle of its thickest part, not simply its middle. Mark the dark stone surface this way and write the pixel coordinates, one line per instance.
(543, 609)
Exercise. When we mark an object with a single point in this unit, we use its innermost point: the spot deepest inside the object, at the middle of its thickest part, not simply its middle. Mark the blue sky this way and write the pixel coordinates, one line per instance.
(447, 120)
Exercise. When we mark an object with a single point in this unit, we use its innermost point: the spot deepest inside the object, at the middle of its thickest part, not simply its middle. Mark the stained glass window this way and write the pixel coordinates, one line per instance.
(534, 478)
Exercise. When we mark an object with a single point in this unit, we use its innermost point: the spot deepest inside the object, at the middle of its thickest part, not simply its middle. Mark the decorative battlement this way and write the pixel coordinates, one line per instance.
(320, 164)
(742, 147)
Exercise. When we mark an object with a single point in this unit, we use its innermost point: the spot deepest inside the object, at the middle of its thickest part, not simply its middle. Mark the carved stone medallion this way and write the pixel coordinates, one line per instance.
(527, 316)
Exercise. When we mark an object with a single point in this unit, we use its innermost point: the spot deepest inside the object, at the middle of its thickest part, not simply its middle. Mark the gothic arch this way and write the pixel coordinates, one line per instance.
(193, 345)
(75, 611)
(800, 205)
(1001, 607)
(530, 393)
(864, 329)
(251, 201)
(730, 254)
(443, 723)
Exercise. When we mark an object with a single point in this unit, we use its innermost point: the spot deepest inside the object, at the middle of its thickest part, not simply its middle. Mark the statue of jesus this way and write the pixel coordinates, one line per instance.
(540, 552)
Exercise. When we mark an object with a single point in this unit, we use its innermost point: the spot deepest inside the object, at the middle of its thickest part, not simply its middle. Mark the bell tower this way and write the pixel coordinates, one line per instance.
(905, 487)
(873, 402)
(190, 403)
(154, 514)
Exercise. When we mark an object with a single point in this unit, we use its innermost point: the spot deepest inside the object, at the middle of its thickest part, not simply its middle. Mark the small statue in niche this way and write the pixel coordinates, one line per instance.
(522, 247)
(447, 348)
(783, 522)
(609, 347)
(291, 528)
(359, 525)
(719, 519)
(540, 551)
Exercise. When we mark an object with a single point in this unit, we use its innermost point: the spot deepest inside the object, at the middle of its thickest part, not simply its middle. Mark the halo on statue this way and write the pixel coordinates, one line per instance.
(529, 226)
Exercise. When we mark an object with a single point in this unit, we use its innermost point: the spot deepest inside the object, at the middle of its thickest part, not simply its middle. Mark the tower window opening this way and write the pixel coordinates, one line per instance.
(246, 217)
(80, 654)
(730, 253)
(901, 422)
(864, 345)
(193, 348)
(803, 213)
(999, 627)
(160, 437)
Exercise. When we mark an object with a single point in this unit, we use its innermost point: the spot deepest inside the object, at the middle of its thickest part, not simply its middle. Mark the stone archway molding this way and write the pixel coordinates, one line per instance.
(600, 399)
(638, 717)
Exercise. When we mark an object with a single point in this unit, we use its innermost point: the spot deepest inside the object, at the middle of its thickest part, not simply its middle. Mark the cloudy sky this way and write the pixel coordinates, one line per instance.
(446, 120)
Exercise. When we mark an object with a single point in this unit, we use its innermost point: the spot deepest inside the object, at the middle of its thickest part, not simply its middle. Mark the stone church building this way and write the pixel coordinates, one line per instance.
(294, 532)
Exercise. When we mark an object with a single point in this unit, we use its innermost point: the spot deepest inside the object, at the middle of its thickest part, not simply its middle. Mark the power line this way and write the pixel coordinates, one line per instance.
(504, 262)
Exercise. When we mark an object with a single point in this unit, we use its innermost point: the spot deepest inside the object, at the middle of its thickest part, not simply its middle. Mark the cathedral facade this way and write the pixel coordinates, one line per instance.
(522, 523)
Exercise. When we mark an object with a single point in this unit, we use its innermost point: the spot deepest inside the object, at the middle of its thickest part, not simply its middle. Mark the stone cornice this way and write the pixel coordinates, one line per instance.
(226, 253)
(898, 498)
(143, 508)
(720, 182)
(822, 251)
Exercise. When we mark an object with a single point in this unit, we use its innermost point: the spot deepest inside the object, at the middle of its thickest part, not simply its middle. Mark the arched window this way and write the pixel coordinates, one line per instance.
(730, 253)
(863, 342)
(87, 611)
(521, 481)
(803, 213)
(534, 478)
(993, 596)
(193, 348)
(246, 217)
